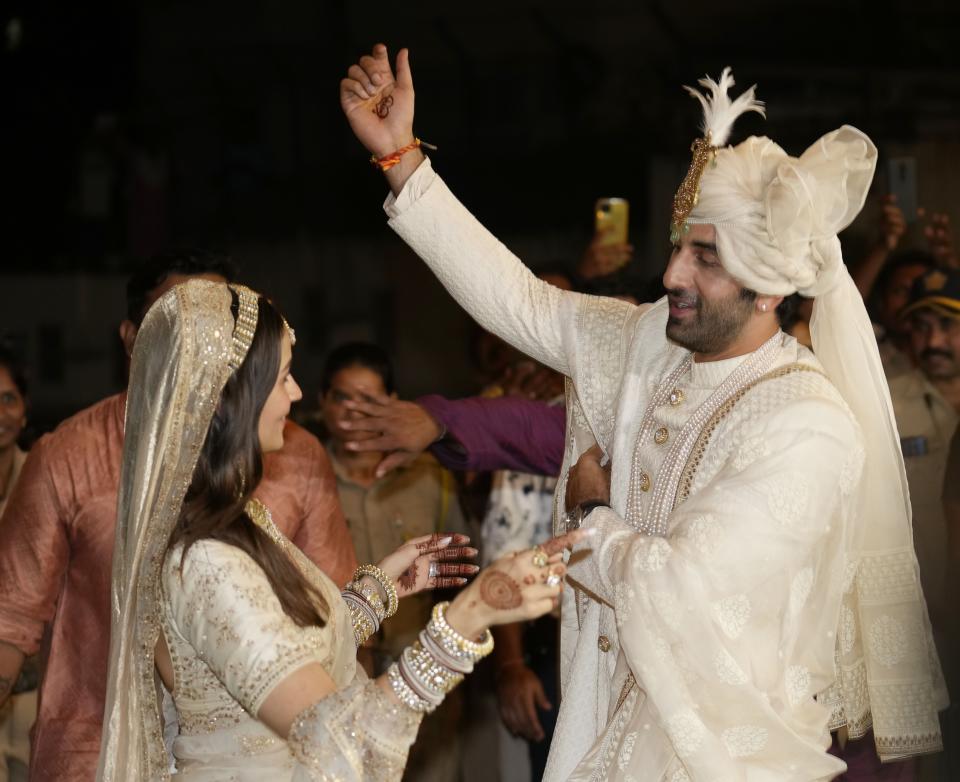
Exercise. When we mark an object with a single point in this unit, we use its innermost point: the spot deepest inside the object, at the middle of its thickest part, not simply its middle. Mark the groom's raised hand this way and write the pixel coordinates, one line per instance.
(379, 107)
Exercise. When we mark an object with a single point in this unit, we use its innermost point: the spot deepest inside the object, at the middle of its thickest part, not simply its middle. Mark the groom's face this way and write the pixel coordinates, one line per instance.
(708, 308)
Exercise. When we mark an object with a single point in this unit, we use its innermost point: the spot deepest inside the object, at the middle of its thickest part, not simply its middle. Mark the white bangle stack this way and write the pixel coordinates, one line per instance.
(457, 650)
(429, 668)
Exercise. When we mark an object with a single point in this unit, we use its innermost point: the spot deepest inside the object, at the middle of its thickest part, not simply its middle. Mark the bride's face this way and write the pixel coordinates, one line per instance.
(285, 392)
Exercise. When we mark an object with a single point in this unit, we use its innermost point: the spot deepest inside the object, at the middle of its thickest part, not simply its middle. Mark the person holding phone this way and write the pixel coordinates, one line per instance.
(609, 249)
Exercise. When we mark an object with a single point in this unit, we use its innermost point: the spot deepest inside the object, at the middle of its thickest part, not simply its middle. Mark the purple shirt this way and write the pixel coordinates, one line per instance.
(505, 433)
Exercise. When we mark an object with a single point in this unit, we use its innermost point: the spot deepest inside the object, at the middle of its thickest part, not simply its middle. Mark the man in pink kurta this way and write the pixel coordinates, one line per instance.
(56, 550)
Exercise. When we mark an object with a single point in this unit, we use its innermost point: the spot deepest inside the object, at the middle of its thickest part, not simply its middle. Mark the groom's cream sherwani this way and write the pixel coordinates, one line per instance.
(718, 600)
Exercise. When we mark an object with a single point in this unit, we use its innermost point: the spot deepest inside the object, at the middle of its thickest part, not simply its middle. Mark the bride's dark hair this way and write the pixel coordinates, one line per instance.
(230, 468)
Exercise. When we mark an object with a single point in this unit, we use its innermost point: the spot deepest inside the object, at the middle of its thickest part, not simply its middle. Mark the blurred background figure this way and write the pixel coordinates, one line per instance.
(382, 513)
(13, 421)
(20, 710)
(888, 269)
(926, 401)
(914, 296)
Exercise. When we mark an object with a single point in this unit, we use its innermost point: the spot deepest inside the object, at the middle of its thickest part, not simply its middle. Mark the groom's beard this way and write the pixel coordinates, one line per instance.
(714, 325)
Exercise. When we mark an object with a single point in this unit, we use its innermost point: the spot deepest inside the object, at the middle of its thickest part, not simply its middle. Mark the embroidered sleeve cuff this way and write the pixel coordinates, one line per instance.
(591, 560)
(418, 184)
(357, 732)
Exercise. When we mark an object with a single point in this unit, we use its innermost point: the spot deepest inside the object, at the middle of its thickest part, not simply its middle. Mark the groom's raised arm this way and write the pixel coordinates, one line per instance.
(483, 276)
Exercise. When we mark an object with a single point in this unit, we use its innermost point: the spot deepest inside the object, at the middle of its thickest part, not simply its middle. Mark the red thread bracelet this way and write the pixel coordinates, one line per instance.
(387, 162)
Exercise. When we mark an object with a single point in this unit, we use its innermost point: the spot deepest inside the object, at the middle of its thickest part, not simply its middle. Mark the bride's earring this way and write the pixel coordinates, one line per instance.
(243, 486)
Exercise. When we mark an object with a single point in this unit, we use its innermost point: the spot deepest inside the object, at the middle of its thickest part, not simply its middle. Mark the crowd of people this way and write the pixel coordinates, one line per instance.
(711, 537)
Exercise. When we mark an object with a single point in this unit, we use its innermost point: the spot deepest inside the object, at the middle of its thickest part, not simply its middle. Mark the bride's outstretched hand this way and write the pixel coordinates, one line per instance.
(430, 562)
(520, 586)
(377, 104)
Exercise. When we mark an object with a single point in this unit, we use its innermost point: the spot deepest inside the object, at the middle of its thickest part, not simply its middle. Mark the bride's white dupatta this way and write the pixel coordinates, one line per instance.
(181, 362)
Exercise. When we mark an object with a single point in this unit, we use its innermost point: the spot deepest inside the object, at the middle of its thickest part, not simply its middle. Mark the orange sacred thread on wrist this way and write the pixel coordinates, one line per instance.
(387, 162)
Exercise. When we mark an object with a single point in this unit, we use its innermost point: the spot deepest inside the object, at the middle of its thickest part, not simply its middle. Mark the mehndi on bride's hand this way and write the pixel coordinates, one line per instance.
(518, 587)
(430, 562)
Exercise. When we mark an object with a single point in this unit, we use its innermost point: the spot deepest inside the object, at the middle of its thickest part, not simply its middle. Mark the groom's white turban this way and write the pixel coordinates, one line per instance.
(777, 217)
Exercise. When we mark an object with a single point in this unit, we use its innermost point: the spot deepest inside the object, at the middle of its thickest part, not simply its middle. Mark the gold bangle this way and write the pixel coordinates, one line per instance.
(371, 594)
(386, 584)
(362, 616)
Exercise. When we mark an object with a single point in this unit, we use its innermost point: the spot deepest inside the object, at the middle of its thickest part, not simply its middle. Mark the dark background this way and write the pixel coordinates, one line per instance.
(128, 127)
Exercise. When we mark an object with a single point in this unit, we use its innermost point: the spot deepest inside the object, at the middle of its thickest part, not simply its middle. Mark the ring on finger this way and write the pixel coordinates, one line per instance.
(553, 580)
(433, 570)
(540, 558)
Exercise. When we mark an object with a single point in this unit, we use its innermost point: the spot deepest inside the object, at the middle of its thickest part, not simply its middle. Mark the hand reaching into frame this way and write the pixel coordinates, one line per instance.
(601, 258)
(430, 562)
(402, 430)
(893, 223)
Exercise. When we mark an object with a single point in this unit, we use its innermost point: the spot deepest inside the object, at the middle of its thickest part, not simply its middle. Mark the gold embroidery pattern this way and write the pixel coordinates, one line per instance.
(210, 721)
(628, 685)
(378, 730)
(222, 593)
(251, 746)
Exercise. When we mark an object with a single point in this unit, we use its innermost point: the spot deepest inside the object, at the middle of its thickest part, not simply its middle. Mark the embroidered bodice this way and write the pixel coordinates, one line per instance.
(231, 643)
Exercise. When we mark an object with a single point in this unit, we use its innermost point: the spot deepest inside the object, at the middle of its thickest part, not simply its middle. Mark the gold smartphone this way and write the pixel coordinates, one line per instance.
(612, 220)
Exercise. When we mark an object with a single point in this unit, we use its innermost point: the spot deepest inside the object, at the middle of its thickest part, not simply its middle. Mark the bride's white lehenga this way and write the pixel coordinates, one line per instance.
(229, 639)
(231, 643)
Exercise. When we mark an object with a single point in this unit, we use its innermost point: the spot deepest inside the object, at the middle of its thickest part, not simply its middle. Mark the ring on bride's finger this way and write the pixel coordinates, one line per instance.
(540, 558)
(434, 570)
(553, 579)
